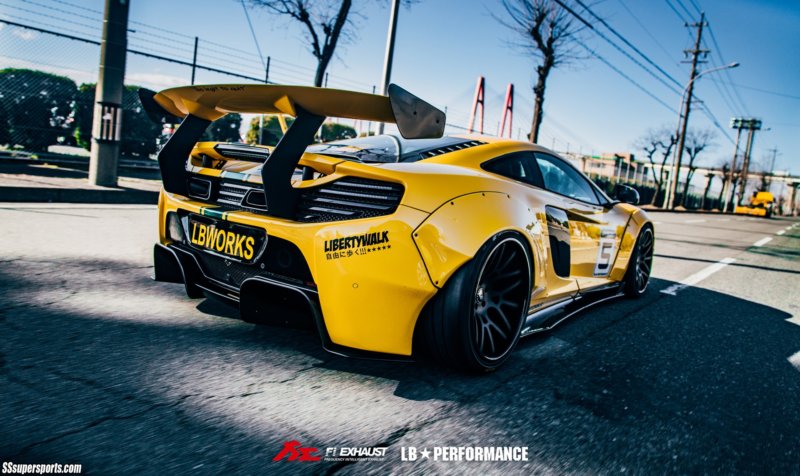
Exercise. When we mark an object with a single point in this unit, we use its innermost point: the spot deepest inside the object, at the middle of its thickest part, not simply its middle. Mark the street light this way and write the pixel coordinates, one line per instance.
(669, 200)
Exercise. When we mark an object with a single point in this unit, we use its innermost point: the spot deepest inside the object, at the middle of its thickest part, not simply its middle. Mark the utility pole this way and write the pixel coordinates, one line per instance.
(774, 151)
(194, 58)
(387, 62)
(107, 120)
(752, 125)
(687, 106)
(732, 171)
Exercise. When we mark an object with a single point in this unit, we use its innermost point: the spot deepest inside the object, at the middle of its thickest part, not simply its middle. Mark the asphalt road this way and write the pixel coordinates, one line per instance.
(101, 366)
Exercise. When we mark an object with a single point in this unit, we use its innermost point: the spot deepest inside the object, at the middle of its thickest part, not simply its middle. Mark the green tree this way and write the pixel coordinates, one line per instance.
(35, 106)
(332, 131)
(224, 129)
(329, 131)
(82, 110)
(272, 130)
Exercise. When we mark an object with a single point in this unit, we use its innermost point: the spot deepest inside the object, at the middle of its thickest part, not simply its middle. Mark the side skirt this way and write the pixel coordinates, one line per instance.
(546, 319)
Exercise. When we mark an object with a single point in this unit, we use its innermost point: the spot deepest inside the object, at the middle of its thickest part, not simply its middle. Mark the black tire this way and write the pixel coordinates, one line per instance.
(474, 322)
(640, 266)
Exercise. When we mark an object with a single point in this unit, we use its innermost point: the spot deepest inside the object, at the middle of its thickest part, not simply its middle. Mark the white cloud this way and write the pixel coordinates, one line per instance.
(155, 80)
(26, 35)
(76, 75)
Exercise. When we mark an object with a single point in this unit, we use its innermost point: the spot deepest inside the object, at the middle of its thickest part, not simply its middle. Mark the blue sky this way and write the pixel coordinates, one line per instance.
(442, 46)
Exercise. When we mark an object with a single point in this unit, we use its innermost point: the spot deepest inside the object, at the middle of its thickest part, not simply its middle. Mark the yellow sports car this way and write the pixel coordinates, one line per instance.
(387, 245)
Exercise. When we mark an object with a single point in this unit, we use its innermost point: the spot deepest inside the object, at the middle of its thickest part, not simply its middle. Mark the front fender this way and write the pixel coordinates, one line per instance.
(456, 230)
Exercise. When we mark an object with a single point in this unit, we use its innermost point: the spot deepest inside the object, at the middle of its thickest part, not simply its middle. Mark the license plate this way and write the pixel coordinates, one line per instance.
(232, 240)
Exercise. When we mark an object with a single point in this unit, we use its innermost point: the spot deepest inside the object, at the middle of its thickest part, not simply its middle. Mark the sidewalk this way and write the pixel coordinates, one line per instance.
(27, 182)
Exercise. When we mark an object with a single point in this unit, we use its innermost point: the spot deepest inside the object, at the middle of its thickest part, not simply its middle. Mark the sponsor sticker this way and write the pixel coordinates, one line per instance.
(357, 245)
(465, 453)
(293, 450)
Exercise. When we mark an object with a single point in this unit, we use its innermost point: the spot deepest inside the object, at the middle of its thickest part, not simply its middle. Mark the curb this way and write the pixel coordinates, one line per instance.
(66, 195)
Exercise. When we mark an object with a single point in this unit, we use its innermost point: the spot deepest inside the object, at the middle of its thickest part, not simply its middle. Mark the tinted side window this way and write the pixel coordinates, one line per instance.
(561, 178)
(516, 166)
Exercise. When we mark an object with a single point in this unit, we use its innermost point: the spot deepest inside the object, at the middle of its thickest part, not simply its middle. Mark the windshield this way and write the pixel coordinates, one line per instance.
(383, 148)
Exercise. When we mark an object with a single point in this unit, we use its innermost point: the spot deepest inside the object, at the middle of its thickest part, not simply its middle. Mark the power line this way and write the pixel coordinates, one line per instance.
(631, 80)
(696, 6)
(727, 72)
(647, 31)
(100, 20)
(677, 13)
(253, 32)
(41, 23)
(625, 40)
(765, 91)
(81, 7)
(617, 47)
(34, 12)
(683, 7)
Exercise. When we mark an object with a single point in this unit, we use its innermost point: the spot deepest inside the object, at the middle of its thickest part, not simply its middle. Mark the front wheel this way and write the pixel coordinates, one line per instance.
(640, 265)
(474, 322)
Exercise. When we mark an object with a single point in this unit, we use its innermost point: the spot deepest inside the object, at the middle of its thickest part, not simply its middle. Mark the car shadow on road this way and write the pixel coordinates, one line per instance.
(701, 373)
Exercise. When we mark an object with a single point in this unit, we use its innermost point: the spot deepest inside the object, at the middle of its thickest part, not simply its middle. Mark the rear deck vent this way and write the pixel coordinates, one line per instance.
(451, 148)
(246, 152)
(348, 198)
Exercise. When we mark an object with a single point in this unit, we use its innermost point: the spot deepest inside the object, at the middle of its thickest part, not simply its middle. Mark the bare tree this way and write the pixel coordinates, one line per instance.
(726, 171)
(709, 180)
(551, 35)
(325, 22)
(659, 143)
(697, 140)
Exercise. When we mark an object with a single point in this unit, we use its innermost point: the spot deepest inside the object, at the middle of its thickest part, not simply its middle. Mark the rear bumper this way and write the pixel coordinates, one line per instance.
(361, 304)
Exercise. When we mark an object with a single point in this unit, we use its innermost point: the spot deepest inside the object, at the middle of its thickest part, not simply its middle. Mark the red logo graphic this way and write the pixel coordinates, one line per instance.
(296, 452)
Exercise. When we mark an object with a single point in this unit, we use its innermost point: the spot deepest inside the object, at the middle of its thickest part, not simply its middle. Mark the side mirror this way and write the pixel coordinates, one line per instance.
(626, 194)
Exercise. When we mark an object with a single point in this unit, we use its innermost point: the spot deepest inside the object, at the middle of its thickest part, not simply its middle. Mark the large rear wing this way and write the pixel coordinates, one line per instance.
(196, 106)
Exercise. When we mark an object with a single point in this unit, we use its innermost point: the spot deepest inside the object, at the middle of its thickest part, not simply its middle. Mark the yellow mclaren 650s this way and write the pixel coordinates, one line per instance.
(390, 246)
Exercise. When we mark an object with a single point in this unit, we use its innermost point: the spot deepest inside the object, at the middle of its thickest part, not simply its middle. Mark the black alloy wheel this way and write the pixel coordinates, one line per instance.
(474, 321)
(500, 296)
(641, 264)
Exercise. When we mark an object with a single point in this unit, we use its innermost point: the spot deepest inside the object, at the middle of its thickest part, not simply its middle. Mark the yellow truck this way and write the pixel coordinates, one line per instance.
(761, 205)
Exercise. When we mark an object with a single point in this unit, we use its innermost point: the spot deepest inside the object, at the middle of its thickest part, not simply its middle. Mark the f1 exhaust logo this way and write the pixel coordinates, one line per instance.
(296, 452)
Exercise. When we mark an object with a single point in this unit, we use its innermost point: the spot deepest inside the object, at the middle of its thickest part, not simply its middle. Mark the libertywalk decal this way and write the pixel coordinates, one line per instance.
(357, 245)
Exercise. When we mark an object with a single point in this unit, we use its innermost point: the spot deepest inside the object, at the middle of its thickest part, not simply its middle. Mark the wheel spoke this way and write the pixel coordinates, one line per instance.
(645, 267)
(491, 339)
(508, 260)
(503, 317)
(497, 329)
(509, 274)
(482, 343)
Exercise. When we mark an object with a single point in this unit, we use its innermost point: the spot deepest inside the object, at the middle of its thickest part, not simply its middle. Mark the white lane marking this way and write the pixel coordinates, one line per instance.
(763, 241)
(795, 360)
(695, 221)
(698, 276)
(780, 232)
(656, 223)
